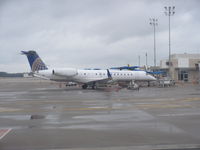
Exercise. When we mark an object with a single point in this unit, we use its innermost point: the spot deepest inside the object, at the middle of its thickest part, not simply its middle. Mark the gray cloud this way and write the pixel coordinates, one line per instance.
(93, 33)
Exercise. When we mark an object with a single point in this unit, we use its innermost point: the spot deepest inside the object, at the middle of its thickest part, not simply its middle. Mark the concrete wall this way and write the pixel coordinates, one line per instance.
(193, 76)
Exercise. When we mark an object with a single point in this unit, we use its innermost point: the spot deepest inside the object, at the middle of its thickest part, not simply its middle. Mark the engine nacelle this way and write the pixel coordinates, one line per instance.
(68, 72)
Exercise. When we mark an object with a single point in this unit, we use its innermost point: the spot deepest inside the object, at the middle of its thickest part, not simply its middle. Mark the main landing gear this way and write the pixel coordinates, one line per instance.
(84, 86)
(94, 85)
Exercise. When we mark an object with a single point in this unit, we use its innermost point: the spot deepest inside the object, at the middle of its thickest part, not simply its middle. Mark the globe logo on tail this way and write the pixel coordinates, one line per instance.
(38, 65)
(35, 62)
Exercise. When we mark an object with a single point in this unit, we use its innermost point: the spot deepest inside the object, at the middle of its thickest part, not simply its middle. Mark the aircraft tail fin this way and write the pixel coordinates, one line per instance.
(35, 61)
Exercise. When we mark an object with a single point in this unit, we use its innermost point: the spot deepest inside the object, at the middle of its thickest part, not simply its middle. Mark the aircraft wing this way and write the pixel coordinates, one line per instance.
(103, 81)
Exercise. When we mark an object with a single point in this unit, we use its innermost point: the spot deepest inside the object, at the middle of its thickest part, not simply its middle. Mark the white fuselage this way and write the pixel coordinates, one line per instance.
(87, 76)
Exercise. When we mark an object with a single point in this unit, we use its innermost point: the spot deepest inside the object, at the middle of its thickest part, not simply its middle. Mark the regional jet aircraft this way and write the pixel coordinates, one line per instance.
(85, 77)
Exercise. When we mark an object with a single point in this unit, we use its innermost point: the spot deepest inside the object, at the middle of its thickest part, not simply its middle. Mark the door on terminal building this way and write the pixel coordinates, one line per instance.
(183, 75)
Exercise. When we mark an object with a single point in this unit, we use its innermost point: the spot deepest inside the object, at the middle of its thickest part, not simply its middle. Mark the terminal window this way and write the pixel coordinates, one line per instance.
(183, 75)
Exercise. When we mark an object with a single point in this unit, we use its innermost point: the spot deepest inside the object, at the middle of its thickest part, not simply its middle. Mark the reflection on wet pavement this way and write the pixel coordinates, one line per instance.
(152, 117)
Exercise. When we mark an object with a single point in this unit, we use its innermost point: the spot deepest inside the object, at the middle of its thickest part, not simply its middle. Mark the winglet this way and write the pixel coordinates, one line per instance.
(109, 74)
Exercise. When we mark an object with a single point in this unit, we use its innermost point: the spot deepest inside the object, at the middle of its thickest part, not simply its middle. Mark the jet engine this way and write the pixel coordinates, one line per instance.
(68, 72)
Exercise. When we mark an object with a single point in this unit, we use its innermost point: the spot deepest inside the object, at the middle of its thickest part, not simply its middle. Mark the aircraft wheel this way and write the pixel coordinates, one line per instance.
(84, 86)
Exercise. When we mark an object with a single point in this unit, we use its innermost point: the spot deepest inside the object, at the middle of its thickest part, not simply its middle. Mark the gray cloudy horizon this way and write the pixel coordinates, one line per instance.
(94, 33)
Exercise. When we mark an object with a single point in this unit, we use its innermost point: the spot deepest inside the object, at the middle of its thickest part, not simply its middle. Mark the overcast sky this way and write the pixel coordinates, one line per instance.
(94, 33)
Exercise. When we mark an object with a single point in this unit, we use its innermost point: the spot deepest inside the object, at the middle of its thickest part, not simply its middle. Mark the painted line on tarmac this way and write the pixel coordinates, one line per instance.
(179, 115)
(63, 109)
(151, 106)
(138, 106)
(6, 109)
(143, 147)
(192, 99)
(177, 103)
(4, 132)
(89, 108)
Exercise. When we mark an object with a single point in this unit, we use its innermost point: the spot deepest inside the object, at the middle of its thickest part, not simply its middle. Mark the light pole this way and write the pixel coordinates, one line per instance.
(169, 11)
(139, 60)
(146, 59)
(154, 23)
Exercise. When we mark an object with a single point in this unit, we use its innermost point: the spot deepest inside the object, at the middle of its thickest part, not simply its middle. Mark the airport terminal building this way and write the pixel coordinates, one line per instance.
(184, 67)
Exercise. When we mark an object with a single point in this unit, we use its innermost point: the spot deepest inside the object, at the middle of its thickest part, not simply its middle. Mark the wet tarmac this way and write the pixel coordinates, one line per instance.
(43, 115)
